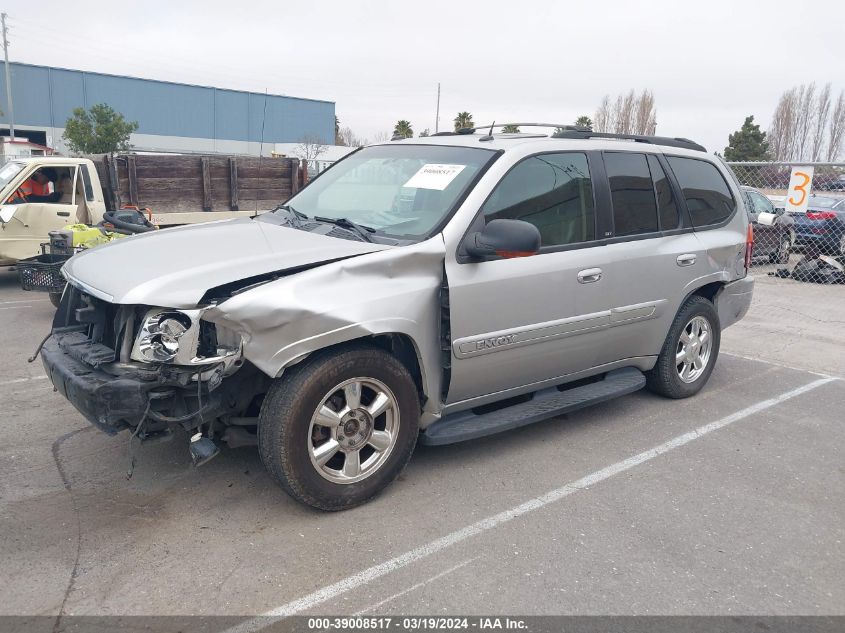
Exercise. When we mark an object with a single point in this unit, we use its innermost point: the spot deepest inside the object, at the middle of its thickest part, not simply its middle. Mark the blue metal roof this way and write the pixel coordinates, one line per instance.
(45, 97)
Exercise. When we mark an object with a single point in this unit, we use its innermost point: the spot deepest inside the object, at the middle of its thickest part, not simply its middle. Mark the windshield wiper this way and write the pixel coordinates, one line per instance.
(344, 223)
(299, 215)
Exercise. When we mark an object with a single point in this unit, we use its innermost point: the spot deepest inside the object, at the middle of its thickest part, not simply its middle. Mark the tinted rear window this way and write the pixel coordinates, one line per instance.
(708, 197)
(632, 193)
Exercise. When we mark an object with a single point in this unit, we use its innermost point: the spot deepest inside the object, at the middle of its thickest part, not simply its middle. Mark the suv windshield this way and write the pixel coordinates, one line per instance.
(402, 191)
(8, 172)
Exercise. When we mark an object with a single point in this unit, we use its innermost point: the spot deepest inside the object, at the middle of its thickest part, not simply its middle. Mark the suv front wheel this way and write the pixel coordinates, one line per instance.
(339, 427)
(689, 352)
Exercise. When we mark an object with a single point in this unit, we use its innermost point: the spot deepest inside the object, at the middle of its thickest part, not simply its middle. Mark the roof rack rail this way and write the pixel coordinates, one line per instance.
(471, 130)
(684, 143)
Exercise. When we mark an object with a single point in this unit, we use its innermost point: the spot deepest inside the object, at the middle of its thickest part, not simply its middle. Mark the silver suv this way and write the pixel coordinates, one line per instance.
(435, 289)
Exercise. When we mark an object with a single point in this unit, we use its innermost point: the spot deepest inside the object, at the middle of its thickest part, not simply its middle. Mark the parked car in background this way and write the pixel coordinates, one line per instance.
(774, 235)
(821, 227)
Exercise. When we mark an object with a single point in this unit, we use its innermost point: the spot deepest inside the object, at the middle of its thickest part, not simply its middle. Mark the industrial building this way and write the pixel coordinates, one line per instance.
(172, 117)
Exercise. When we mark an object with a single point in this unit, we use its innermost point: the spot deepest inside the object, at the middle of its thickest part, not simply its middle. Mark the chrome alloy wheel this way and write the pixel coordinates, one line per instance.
(693, 351)
(353, 431)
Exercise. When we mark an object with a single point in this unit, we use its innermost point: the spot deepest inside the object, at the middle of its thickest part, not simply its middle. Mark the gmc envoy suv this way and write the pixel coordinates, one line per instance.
(434, 289)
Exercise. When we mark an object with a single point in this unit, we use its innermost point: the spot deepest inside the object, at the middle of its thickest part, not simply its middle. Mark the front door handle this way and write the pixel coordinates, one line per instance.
(589, 276)
(687, 259)
(64, 214)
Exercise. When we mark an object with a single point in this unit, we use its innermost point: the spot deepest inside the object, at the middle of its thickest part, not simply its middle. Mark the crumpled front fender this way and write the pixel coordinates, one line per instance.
(394, 291)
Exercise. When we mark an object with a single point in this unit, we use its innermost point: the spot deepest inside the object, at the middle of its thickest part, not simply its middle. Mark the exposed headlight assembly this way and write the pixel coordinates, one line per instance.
(162, 335)
(180, 337)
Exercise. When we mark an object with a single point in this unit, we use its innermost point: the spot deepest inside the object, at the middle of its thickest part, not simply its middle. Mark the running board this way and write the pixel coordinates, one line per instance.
(544, 404)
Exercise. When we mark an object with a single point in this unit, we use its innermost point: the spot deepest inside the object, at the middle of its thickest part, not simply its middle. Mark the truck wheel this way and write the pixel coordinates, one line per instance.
(338, 428)
(689, 353)
(56, 298)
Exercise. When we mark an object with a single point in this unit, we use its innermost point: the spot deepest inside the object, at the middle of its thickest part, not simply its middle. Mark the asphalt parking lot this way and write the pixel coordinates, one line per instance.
(727, 503)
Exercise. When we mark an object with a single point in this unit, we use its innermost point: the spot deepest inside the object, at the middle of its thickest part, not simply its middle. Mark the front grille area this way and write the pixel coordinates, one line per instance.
(90, 329)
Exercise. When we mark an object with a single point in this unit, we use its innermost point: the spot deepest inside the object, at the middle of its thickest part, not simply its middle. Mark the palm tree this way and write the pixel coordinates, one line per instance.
(463, 120)
(510, 129)
(403, 129)
(584, 121)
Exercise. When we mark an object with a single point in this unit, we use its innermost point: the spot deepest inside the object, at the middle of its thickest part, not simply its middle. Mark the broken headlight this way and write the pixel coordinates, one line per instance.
(163, 334)
(181, 337)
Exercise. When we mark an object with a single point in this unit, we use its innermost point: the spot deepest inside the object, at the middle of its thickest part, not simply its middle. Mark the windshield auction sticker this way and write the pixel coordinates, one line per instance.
(434, 176)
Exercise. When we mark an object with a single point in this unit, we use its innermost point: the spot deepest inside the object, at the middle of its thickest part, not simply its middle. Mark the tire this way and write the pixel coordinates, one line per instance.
(781, 255)
(291, 439)
(665, 378)
(55, 298)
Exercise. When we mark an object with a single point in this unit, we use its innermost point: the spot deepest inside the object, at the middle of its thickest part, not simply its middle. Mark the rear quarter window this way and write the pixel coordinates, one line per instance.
(706, 192)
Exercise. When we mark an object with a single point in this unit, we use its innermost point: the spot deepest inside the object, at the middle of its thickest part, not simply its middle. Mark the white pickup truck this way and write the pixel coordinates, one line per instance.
(78, 196)
(24, 225)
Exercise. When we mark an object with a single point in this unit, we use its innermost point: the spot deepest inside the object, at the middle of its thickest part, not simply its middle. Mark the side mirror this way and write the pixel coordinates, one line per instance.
(504, 238)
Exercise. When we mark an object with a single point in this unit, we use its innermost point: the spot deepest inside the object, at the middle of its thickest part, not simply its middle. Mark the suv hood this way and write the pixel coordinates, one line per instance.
(175, 267)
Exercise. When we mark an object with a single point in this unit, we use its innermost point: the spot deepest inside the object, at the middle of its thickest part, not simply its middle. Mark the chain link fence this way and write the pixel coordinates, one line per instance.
(807, 246)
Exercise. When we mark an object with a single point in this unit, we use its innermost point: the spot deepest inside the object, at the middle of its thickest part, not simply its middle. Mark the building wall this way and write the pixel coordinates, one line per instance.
(171, 117)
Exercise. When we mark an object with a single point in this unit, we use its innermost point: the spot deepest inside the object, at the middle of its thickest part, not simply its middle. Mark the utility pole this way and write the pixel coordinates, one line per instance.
(437, 116)
(3, 17)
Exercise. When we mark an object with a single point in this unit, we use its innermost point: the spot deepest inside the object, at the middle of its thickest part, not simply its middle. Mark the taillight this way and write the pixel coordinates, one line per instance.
(749, 247)
(821, 215)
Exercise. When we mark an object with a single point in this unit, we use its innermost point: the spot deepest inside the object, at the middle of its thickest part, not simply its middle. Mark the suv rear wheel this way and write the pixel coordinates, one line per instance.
(338, 428)
(689, 352)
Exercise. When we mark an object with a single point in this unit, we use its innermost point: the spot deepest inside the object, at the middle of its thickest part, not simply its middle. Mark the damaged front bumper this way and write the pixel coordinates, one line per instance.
(114, 398)
(109, 403)
(95, 358)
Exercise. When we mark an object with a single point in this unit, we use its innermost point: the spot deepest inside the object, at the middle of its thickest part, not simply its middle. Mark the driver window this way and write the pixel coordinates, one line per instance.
(761, 203)
(47, 185)
(551, 191)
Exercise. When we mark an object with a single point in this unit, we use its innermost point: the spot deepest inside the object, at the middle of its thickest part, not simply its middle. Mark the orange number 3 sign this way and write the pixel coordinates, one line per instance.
(802, 187)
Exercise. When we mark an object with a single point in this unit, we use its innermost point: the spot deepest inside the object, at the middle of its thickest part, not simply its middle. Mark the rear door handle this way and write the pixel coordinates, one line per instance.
(589, 275)
(687, 259)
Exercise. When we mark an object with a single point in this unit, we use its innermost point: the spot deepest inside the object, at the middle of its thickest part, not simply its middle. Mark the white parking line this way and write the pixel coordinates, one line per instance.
(4, 303)
(370, 574)
(777, 364)
(414, 587)
(17, 381)
(15, 307)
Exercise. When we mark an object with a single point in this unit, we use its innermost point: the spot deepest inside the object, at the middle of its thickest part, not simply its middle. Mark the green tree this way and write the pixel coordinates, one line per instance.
(747, 143)
(403, 129)
(463, 120)
(98, 130)
(510, 129)
(338, 140)
(425, 132)
(584, 121)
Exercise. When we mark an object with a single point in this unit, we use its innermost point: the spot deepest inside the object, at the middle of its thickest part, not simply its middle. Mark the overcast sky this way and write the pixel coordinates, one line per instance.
(709, 63)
